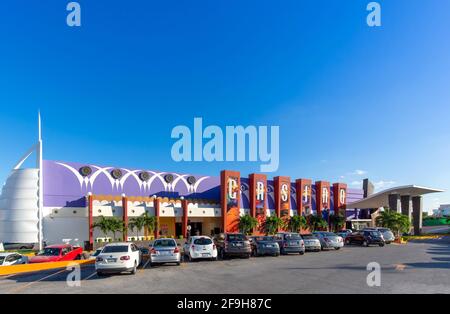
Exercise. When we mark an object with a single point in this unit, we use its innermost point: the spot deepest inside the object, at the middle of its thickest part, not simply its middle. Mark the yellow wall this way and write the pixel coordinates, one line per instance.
(209, 223)
(167, 226)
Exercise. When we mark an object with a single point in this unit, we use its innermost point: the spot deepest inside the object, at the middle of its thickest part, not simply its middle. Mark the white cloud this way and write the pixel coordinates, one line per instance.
(380, 185)
(359, 172)
(356, 183)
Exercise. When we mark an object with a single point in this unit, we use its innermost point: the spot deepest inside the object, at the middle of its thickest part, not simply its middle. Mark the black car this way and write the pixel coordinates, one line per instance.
(365, 238)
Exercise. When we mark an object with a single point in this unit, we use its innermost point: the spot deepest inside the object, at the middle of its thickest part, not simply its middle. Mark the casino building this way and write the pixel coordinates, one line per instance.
(60, 201)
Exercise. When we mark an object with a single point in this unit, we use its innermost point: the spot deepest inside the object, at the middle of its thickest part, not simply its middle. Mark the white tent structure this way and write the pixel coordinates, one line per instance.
(21, 200)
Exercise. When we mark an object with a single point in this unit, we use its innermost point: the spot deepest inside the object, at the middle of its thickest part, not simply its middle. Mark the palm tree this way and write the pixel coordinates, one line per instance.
(150, 222)
(104, 224)
(247, 223)
(397, 222)
(137, 223)
(337, 221)
(116, 225)
(272, 224)
(297, 222)
(316, 223)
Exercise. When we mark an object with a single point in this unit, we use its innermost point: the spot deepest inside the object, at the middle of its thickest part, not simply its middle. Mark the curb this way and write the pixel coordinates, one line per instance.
(28, 268)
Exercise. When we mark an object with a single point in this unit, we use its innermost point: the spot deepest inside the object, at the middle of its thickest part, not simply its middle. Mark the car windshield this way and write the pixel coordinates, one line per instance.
(293, 236)
(202, 241)
(374, 233)
(308, 236)
(116, 249)
(165, 243)
(50, 252)
(328, 234)
(97, 253)
(237, 237)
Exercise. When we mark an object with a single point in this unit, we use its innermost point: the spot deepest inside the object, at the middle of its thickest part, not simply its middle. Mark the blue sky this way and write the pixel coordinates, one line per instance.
(351, 101)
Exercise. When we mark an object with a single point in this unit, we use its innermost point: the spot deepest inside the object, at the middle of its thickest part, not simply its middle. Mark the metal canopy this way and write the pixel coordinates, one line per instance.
(381, 199)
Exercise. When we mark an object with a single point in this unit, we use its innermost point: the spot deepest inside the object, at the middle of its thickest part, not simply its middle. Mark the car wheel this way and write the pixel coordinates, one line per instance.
(381, 244)
(337, 248)
(347, 242)
(134, 271)
(302, 253)
(365, 243)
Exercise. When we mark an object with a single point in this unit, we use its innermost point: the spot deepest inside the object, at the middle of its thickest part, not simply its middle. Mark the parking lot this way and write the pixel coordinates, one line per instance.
(419, 267)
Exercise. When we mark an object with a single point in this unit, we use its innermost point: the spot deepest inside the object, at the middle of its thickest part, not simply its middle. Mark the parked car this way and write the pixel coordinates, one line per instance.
(118, 258)
(264, 245)
(388, 235)
(329, 240)
(96, 253)
(58, 253)
(18, 246)
(200, 247)
(233, 244)
(164, 251)
(290, 242)
(8, 259)
(312, 243)
(365, 238)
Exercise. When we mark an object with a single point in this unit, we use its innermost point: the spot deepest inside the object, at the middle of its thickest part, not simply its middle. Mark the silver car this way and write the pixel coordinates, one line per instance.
(312, 243)
(164, 251)
(329, 240)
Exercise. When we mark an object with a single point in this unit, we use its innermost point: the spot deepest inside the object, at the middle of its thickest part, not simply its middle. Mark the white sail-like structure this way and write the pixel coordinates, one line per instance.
(21, 201)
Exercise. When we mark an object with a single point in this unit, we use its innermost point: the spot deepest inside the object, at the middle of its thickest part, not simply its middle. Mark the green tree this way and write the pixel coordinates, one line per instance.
(104, 224)
(150, 222)
(297, 222)
(316, 223)
(137, 223)
(337, 221)
(116, 225)
(247, 223)
(397, 222)
(272, 224)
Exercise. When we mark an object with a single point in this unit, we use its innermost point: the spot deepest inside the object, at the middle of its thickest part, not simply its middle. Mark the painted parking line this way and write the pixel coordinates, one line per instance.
(17, 290)
(90, 276)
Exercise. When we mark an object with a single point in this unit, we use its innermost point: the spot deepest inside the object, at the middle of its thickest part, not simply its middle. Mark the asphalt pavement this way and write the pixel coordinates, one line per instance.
(418, 267)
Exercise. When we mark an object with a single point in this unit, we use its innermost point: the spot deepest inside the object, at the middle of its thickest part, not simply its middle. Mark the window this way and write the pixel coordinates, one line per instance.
(165, 243)
(203, 241)
(116, 249)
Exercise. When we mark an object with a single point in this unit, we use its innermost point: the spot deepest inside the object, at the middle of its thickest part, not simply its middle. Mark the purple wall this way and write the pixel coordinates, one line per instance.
(64, 186)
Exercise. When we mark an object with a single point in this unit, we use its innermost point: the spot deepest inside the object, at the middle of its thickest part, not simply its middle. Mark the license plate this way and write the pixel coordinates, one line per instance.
(269, 245)
(205, 254)
(293, 243)
(111, 260)
(165, 253)
(238, 244)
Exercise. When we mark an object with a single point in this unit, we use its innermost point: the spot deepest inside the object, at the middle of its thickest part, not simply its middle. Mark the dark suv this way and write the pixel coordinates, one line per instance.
(365, 238)
(233, 244)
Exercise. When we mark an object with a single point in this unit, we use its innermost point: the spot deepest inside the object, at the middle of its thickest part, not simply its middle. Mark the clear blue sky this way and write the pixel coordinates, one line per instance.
(111, 91)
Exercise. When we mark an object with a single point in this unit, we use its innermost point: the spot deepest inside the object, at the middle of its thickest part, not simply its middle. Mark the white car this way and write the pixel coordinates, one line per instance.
(8, 259)
(117, 258)
(200, 247)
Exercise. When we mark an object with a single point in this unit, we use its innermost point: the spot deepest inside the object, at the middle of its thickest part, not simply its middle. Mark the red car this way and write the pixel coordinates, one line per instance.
(58, 253)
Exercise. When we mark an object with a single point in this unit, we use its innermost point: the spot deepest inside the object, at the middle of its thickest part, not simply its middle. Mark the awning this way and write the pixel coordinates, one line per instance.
(381, 199)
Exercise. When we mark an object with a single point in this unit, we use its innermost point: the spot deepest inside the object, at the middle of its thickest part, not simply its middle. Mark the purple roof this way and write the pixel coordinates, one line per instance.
(64, 186)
